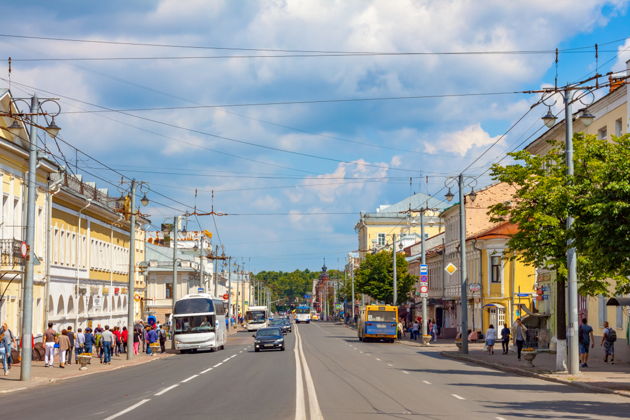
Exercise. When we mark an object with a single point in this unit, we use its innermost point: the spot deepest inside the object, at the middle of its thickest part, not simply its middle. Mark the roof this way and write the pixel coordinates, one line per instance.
(416, 201)
(503, 230)
(163, 253)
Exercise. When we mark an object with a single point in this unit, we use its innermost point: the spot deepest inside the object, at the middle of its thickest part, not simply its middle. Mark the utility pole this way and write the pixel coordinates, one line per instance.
(132, 271)
(27, 300)
(462, 250)
(395, 274)
(202, 271)
(423, 260)
(230, 312)
(175, 234)
(352, 278)
(216, 280)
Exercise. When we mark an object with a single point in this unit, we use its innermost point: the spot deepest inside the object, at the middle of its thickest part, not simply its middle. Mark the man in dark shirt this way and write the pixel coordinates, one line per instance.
(71, 350)
(585, 338)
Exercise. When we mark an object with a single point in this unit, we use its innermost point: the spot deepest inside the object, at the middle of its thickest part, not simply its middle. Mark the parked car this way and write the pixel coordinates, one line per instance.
(269, 338)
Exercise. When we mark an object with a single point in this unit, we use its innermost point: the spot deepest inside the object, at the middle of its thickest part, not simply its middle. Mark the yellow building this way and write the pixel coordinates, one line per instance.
(13, 174)
(375, 230)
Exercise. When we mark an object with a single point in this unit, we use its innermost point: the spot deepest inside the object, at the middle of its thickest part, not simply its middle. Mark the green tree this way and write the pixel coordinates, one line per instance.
(374, 277)
(598, 196)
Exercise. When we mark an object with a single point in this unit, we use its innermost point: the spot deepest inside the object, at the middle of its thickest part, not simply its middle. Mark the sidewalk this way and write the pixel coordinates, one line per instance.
(598, 377)
(42, 375)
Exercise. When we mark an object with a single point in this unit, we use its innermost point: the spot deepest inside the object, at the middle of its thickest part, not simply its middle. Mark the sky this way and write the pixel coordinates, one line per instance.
(240, 106)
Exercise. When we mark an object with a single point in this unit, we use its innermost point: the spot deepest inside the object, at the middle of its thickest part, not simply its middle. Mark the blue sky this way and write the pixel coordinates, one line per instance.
(366, 150)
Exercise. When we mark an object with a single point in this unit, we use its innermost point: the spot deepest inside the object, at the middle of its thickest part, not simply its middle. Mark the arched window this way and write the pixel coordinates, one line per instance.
(60, 306)
(51, 305)
(81, 304)
(91, 304)
(105, 303)
(70, 305)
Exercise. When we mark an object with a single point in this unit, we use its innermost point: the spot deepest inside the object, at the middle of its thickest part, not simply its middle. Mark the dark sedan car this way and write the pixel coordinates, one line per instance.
(279, 323)
(269, 338)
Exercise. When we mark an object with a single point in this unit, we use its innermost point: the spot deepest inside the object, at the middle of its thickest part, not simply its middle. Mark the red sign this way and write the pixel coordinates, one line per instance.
(424, 288)
(116, 290)
(226, 296)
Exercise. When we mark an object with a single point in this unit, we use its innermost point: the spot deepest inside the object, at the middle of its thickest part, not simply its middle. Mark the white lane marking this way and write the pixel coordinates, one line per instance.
(405, 372)
(458, 397)
(313, 405)
(427, 382)
(360, 352)
(300, 408)
(128, 409)
(499, 418)
(190, 378)
(206, 371)
(378, 359)
(240, 351)
(390, 365)
(218, 364)
(165, 390)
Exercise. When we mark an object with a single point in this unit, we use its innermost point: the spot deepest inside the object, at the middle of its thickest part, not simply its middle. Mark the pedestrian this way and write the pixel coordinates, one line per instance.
(124, 336)
(136, 341)
(117, 340)
(415, 327)
(150, 337)
(98, 341)
(108, 340)
(70, 351)
(505, 338)
(3, 354)
(519, 332)
(9, 342)
(434, 332)
(399, 329)
(608, 341)
(585, 337)
(98, 329)
(49, 343)
(64, 346)
(491, 338)
(79, 343)
(162, 337)
(90, 340)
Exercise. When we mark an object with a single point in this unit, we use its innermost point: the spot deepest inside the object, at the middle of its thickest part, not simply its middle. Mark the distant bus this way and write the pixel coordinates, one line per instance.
(378, 322)
(303, 314)
(256, 317)
(199, 323)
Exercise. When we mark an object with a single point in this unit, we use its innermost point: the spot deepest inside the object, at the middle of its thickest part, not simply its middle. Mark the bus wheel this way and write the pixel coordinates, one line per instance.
(360, 338)
(222, 347)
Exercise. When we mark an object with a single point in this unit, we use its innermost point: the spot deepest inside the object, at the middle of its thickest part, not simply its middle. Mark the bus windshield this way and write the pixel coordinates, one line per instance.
(386, 316)
(256, 317)
(194, 306)
(303, 311)
(194, 324)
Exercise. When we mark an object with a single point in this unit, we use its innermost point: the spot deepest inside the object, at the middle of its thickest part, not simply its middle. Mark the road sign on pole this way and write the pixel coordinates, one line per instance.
(424, 288)
(424, 278)
(424, 269)
(450, 268)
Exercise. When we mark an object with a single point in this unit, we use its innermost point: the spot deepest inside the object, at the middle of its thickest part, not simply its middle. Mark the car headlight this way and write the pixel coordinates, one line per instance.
(280, 341)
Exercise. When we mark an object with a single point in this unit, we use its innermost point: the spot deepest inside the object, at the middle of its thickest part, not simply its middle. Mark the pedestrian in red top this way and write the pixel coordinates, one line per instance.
(124, 335)
(117, 335)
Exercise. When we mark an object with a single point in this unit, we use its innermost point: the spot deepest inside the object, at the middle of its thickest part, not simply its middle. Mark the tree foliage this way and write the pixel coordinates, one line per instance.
(598, 196)
(374, 277)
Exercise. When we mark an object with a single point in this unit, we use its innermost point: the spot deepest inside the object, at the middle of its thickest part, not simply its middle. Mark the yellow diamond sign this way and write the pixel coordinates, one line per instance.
(450, 268)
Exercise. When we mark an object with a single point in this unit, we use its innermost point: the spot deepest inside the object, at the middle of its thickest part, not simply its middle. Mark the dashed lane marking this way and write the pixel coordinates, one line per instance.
(499, 418)
(390, 365)
(405, 372)
(128, 409)
(427, 382)
(165, 390)
(190, 378)
(206, 371)
(458, 397)
(217, 365)
(378, 359)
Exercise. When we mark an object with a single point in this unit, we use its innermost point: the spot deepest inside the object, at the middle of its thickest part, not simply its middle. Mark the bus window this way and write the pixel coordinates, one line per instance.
(194, 324)
(383, 316)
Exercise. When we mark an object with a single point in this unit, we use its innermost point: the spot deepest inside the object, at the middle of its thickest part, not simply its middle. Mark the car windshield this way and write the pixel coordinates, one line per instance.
(194, 324)
(276, 322)
(194, 306)
(387, 316)
(268, 332)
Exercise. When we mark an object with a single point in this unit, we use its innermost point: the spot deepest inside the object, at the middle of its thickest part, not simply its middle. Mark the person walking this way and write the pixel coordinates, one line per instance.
(434, 332)
(400, 332)
(108, 340)
(150, 338)
(162, 337)
(117, 341)
(90, 340)
(608, 341)
(491, 338)
(505, 338)
(585, 338)
(136, 341)
(70, 351)
(519, 332)
(64, 346)
(8, 341)
(3, 353)
(79, 343)
(124, 335)
(415, 328)
(49, 344)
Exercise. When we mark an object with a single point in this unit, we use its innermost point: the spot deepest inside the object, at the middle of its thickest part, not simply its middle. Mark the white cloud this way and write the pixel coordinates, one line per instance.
(460, 142)
(623, 55)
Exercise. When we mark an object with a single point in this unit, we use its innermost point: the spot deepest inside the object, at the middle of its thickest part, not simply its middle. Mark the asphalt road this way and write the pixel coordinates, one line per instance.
(325, 373)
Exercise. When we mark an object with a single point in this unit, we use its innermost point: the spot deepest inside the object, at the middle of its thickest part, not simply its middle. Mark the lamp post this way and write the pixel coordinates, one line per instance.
(568, 94)
(30, 119)
(460, 179)
(175, 274)
(395, 300)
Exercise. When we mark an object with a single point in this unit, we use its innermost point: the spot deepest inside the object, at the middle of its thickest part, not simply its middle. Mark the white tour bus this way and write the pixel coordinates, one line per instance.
(256, 317)
(303, 314)
(199, 323)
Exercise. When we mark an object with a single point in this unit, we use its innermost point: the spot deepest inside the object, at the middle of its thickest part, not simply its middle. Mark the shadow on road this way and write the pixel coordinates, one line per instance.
(559, 409)
(458, 372)
(564, 389)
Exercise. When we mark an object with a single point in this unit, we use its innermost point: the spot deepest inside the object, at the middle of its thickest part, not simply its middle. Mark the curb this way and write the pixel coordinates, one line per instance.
(523, 372)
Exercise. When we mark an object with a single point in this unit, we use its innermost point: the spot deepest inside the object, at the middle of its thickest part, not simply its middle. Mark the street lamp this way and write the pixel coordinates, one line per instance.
(471, 181)
(30, 119)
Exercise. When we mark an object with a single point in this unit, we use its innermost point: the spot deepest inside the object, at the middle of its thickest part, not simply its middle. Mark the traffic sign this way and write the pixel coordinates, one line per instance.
(424, 278)
(24, 249)
(424, 269)
(307, 296)
(424, 288)
(450, 268)
(199, 289)
(424, 295)
(226, 296)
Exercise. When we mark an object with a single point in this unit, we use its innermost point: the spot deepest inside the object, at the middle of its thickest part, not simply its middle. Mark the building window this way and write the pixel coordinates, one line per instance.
(495, 269)
(602, 310)
(619, 320)
(169, 291)
(381, 239)
(602, 133)
(618, 128)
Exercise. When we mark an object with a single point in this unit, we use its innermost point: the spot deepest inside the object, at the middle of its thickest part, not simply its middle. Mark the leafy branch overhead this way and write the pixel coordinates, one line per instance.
(374, 277)
(598, 196)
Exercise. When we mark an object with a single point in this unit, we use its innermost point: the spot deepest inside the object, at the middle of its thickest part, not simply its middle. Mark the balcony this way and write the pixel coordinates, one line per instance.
(10, 253)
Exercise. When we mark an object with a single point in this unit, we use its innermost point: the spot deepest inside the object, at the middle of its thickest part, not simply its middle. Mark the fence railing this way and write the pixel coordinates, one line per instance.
(10, 252)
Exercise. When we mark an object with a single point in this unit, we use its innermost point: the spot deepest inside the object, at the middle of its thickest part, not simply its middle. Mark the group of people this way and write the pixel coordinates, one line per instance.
(586, 340)
(103, 341)
(414, 329)
(518, 334)
(7, 341)
(151, 336)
